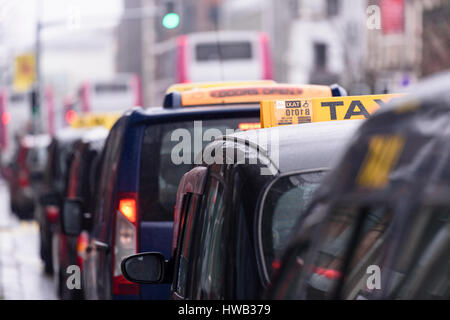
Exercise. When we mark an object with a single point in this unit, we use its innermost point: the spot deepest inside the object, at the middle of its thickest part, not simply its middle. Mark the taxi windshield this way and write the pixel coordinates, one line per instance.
(285, 203)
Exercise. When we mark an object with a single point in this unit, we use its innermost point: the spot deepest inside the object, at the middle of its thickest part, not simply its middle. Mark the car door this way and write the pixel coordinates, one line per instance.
(97, 267)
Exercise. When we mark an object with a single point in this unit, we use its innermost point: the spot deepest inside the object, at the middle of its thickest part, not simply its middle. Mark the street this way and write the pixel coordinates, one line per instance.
(21, 270)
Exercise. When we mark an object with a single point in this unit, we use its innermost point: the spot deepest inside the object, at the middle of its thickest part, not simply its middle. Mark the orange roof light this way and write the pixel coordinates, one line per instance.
(244, 94)
(182, 87)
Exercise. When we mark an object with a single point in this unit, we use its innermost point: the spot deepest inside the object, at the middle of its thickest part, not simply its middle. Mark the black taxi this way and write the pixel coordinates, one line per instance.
(379, 226)
(234, 213)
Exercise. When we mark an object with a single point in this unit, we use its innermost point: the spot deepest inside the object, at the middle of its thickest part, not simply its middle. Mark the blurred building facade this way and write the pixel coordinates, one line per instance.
(413, 41)
(436, 37)
(266, 16)
(321, 41)
(394, 50)
(326, 42)
(312, 41)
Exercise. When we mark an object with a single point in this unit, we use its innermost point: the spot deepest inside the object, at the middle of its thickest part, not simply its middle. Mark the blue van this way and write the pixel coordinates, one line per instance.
(137, 189)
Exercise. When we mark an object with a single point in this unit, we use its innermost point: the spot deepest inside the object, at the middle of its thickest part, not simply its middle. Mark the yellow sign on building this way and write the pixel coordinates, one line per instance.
(24, 72)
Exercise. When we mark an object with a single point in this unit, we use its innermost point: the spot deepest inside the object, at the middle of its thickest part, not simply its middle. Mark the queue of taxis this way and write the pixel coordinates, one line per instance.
(81, 186)
(234, 212)
(70, 156)
(379, 225)
(144, 157)
(53, 190)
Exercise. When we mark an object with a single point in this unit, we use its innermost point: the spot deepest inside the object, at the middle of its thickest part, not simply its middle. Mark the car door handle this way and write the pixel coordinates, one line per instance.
(101, 246)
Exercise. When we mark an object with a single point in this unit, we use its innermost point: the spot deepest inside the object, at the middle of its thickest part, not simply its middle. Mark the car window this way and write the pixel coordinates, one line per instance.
(109, 167)
(419, 268)
(36, 158)
(284, 204)
(168, 152)
(213, 242)
(313, 265)
(350, 235)
(185, 253)
(49, 174)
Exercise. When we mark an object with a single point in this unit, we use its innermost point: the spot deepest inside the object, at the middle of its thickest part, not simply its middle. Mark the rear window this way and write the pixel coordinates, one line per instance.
(164, 146)
(37, 158)
(105, 88)
(223, 51)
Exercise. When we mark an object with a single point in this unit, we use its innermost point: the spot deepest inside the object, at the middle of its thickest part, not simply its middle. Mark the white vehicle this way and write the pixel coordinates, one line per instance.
(212, 56)
(113, 95)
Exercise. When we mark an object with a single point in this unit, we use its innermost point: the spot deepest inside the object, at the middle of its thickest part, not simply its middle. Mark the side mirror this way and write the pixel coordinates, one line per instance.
(145, 268)
(72, 217)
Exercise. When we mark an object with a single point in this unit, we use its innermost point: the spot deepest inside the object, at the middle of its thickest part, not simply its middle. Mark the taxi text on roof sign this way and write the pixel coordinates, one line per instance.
(284, 112)
(251, 94)
(95, 120)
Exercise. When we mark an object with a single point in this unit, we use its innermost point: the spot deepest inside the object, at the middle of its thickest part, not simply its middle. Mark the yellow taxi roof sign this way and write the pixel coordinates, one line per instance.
(181, 87)
(243, 94)
(284, 112)
(89, 120)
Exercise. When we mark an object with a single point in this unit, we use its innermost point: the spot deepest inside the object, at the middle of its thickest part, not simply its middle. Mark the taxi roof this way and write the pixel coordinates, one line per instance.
(300, 147)
(419, 125)
(251, 93)
(94, 134)
(69, 134)
(160, 111)
(36, 141)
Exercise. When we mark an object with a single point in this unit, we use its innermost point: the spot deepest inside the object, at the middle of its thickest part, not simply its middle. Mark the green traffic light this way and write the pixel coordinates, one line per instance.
(171, 20)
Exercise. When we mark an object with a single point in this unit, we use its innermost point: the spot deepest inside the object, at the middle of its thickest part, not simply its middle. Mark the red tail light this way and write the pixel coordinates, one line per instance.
(328, 273)
(125, 241)
(127, 207)
(123, 286)
(3, 111)
(276, 264)
(23, 178)
(6, 118)
(82, 244)
(70, 116)
(52, 213)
